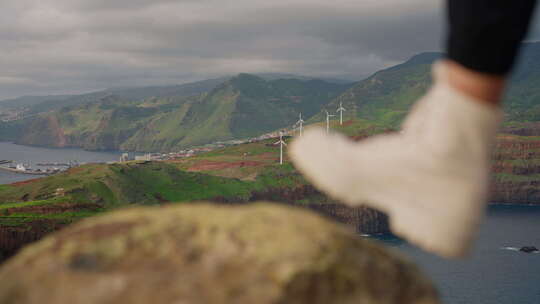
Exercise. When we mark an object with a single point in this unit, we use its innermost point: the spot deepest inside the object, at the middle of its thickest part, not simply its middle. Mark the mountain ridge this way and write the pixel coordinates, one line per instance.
(386, 96)
(243, 106)
(141, 92)
(249, 105)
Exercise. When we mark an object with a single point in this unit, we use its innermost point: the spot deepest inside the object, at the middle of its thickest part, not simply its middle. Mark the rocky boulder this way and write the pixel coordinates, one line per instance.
(528, 249)
(203, 253)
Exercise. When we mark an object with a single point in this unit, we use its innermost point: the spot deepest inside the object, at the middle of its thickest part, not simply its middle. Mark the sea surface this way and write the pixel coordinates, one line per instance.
(34, 155)
(496, 273)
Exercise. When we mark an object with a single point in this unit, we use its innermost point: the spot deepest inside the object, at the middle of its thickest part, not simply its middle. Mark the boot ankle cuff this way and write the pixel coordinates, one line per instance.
(485, 113)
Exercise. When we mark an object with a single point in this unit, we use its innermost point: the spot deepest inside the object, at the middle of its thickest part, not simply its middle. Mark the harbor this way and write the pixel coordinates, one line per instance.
(70, 164)
(24, 169)
(35, 158)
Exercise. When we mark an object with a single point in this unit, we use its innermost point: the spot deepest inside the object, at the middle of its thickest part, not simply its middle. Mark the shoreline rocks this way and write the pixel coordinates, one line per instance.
(528, 249)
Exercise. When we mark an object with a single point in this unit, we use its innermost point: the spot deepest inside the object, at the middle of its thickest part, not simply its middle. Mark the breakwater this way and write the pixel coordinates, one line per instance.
(28, 171)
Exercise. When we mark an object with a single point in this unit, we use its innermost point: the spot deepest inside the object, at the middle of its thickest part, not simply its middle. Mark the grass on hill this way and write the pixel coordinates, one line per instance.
(232, 173)
(123, 184)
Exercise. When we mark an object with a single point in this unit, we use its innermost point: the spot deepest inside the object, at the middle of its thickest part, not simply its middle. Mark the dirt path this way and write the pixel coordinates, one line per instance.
(207, 165)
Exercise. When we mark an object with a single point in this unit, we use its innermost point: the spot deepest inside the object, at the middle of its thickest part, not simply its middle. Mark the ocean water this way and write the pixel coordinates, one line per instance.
(496, 272)
(33, 155)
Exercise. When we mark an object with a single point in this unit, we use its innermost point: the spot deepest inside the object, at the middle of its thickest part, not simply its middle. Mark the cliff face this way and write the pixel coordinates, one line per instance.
(360, 220)
(15, 233)
(14, 237)
(43, 131)
(516, 167)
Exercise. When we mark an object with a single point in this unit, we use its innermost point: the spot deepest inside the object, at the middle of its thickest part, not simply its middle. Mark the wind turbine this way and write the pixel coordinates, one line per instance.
(300, 124)
(328, 121)
(341, 110)
(281, 144)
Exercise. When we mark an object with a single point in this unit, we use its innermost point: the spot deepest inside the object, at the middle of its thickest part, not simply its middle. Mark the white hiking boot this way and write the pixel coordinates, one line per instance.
(432, 179)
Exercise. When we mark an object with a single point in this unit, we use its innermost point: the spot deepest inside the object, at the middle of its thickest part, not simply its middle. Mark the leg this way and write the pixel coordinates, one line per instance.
(485, 35)
(487, 88)
(482, 44)
(432, 179)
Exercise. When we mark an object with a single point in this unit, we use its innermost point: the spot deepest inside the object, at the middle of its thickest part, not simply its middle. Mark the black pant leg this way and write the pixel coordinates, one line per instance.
(485, 35)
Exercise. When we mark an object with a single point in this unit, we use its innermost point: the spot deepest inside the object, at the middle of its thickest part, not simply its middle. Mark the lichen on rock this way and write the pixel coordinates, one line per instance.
(204, 253)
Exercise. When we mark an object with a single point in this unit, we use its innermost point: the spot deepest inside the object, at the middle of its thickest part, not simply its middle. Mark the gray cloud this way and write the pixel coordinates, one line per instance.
(67, 46)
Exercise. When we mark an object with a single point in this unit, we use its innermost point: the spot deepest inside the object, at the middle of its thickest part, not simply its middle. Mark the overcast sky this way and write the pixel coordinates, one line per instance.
(74, 46)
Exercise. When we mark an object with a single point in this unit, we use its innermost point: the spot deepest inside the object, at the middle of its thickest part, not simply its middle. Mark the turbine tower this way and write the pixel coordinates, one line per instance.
(281, 144)
(328, 121)
(341, 110)
(300, 124)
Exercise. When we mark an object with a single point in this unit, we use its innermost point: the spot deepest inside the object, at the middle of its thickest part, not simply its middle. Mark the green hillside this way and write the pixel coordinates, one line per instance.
(241, 107)
(522, 102)
(386, 96)
(238, 173)
(231, 174)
